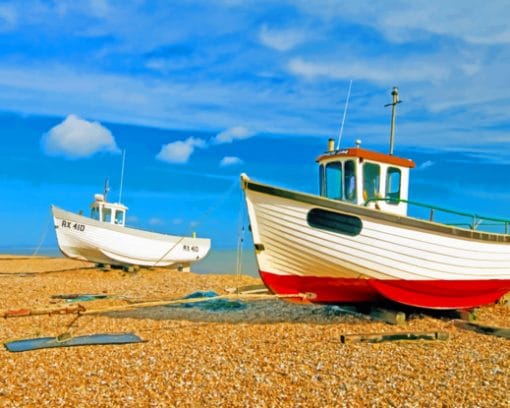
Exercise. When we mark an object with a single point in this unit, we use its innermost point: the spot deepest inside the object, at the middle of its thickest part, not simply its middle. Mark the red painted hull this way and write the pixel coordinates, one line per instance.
(444, 294)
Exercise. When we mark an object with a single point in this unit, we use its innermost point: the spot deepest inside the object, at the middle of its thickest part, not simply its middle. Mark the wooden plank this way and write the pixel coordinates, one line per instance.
(505, 300)
(389, 316)
(396, 336)
(478, 328)
(249, 289)
(468, 315)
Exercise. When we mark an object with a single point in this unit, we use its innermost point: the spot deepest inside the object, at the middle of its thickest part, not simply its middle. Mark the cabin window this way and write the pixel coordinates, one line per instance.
(393, 180)
(371, 180)
(334, 180)
(94, 213)
(107, 215)
(350, 180)
(334, 222)
(119, 217)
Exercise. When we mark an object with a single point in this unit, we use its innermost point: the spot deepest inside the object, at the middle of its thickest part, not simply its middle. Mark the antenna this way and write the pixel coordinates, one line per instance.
(106, 188)
(345, 113)
(393, 105)
(122, 175)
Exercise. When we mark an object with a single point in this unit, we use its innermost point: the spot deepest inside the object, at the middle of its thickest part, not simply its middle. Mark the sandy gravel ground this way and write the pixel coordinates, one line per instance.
(270, 354)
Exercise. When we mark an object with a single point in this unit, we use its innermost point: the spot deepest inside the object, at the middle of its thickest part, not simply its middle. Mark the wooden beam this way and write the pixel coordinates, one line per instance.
(389, 316)
(395, 336)
(478, 328)
(258, 288)
(468, 315)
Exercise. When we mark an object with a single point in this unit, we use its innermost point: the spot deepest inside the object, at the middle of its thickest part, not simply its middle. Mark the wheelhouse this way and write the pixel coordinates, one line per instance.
(110, 213)
(365, 177)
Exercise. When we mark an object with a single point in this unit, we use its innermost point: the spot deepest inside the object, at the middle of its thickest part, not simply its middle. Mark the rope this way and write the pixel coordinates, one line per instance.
(206, 214)
(240, 242)
(36, 252)
(167, 252)
(43, 237)
(217, 204)
(33, 273)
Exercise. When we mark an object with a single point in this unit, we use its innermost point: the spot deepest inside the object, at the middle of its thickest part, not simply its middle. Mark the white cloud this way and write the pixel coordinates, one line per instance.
(76, 138)
(99, 8)
(281, 40)
(132, 219)
(156, 221)
(469, 21)
(231, 134)
(473, 21)
(8, 17)
(230, 161)
(180, 151)
(426, 165)
(442, 47)
(402, 70)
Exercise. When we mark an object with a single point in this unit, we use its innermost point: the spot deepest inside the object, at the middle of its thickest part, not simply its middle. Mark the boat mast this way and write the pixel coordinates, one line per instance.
(345, 113)
(393, 105)
(106, 189)
(122, 176)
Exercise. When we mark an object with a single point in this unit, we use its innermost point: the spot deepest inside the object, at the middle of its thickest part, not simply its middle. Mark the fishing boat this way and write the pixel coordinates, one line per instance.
(105, 239)
(355, 242)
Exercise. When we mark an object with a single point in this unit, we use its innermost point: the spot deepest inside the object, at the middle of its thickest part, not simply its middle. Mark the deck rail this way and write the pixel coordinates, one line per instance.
(475, 219)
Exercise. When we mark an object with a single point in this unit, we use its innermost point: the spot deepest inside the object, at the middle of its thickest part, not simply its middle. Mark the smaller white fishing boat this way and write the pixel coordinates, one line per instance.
(104, 238)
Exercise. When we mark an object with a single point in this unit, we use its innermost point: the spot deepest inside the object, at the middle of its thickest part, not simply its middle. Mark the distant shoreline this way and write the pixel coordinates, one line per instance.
(218, 261)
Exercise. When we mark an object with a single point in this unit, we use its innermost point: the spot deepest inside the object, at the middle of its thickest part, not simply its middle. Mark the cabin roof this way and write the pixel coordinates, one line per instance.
(106, 204)
(369, 155)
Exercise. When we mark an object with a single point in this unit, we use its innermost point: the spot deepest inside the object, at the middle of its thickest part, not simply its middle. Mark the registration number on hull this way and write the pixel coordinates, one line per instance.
(73, 225)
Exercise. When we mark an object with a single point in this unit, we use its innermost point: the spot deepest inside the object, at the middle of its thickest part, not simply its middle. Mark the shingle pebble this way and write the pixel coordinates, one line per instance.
(271, 354)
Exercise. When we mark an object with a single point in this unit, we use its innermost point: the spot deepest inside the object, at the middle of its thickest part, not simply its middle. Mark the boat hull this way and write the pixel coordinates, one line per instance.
(421, 293)
(86, 239)
(340, 252)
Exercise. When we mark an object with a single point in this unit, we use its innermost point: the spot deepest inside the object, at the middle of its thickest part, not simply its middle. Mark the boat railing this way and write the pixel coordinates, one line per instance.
(474, 220)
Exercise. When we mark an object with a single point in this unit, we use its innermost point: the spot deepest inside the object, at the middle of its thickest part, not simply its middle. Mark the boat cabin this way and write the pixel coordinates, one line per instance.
(365, 177)
(110, 213)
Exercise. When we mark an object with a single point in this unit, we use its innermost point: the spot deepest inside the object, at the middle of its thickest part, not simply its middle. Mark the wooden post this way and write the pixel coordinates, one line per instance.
(388, 316)
(478, 328)
(468, 315)
(396, 336)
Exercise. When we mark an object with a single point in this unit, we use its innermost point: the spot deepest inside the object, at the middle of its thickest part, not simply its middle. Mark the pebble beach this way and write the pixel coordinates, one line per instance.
(271, 353)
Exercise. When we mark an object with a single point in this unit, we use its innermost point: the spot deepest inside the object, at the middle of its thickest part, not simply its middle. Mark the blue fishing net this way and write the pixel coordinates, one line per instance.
(212, 305)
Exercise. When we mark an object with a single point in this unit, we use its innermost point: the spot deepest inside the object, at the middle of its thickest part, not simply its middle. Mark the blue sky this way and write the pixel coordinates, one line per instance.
(197, 92)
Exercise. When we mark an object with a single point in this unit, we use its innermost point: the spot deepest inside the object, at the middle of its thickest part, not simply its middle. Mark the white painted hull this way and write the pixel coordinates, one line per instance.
(86, 239)
(392, 256)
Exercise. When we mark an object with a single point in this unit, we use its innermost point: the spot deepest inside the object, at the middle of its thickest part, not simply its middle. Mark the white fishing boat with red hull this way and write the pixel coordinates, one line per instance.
(355, 242)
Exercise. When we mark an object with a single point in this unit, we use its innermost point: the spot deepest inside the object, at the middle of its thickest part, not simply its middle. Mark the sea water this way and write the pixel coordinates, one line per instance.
(224, 261)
